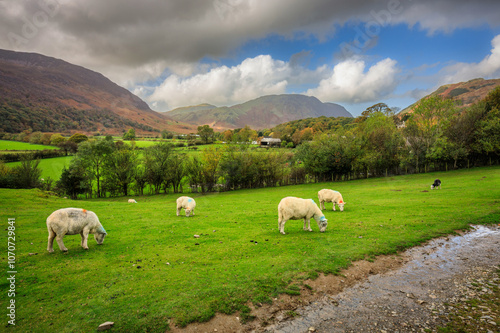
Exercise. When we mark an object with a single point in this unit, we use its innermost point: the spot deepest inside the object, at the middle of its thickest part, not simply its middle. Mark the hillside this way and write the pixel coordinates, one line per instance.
(52, 95)
(263, 112)
(464, 93)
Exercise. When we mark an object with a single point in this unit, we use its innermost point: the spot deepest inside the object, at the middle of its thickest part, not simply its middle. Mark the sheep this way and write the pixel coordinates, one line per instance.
(437, 183)
(187, 203)
(132, 201)
(326, 195)
(73, 221)
(292, 208)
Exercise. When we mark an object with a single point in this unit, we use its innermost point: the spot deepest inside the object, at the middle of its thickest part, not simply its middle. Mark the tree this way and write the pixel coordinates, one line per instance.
(176, 170)
(56, 139)
(206, 134)
(211, 158)
(194, 171)
(461, 130)
(129, 135)
(27, 174)
(78, 137)
(426, 126)
(36, 137)
(380, 142)
(228, 135)
(73, 182)
(92, 156)
(156, 161)
(120, 168)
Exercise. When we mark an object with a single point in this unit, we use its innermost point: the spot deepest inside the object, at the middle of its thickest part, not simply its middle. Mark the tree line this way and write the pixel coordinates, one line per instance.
(435, 135)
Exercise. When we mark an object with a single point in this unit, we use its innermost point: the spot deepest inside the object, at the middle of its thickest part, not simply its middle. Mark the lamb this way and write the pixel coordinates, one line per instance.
(73, 221)
(132, 201)
(335, 197)
(187, 203)
(437, 183)
(292, 208)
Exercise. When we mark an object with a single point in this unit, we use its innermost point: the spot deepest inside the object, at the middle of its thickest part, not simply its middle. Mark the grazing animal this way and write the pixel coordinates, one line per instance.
(326, 195)
(292, 208)
(187, 203)
(73, 221)
(132, 201)
(437, 183)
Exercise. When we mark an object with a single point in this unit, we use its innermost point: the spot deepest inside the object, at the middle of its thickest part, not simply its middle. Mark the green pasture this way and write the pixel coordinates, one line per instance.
(51, 167)
(16, 145)
(151, 273)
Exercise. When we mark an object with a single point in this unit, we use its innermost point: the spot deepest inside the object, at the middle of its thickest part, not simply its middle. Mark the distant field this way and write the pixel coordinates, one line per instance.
(151, 272)
(16, 145)
(51, 167)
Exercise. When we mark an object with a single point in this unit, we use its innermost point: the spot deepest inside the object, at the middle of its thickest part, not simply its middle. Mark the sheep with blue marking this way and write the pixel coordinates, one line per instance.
(292, 208)
(73, 221)
(327, 195)
(187, 203)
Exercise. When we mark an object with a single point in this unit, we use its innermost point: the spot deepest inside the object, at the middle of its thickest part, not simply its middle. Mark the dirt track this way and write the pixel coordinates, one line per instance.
(406, 293)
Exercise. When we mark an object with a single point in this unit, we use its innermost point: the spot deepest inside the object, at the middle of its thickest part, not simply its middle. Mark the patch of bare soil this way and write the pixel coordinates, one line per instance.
(404, 293)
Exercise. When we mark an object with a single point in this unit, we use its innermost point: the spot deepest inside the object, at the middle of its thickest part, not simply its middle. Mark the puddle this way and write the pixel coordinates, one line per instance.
(408, 299)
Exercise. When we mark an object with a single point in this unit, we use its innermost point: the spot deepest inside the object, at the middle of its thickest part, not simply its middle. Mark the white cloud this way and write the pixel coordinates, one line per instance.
(224, 85)
(350, 83)
(347, 82)
(489, 67)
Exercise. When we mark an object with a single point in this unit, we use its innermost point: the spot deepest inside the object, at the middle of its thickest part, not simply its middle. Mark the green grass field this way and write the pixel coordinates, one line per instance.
(151, 273)
(16, 145)
(51, 167)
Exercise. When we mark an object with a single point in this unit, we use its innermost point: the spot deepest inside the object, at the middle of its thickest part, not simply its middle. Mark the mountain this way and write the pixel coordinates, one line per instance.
(263, 112)
(464, 93)
(51, 95)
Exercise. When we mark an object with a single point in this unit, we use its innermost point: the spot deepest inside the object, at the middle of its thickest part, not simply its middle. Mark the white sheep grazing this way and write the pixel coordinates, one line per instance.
(187, 203)
(73, 221)
(335, 197)
(132, 201)
(292, 208)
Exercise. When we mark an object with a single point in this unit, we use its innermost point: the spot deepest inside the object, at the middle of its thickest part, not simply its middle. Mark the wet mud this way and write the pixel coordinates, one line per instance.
(411, 298)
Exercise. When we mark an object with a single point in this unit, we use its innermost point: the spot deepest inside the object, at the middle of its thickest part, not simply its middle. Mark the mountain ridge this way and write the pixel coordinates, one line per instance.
(262, 112)
(47, 94)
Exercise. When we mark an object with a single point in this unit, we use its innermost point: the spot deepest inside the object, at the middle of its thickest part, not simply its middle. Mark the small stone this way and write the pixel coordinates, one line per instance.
(312, 329)
(105, 326)
(196, 236)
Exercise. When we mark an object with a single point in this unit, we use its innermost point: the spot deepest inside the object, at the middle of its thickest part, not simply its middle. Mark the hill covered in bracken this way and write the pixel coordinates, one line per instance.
(51, 95)
(463, 93)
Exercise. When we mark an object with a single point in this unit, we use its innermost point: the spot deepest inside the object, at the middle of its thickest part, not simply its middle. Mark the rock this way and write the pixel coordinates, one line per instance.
(311, 329)
(105, 326)
(196, 236)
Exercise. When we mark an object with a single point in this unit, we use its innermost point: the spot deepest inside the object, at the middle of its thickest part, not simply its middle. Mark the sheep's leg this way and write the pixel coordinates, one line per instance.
(281, 225)
(192, 211)
(50, 244)
(85, 237)
(178, 210)
(59, 240)
(333, 202)
(308, 224)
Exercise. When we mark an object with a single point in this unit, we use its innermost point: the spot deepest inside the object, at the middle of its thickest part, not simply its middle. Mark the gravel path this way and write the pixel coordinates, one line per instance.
(415, 297)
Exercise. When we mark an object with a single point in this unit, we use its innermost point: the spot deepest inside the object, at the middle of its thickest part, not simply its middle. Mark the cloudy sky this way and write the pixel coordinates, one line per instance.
(176, 53)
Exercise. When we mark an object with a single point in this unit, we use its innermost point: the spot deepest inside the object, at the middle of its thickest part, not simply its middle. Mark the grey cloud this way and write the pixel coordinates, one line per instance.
(132, 34)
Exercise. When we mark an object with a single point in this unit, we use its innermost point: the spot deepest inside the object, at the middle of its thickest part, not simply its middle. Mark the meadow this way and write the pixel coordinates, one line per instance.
(152, 273)
(6, 145)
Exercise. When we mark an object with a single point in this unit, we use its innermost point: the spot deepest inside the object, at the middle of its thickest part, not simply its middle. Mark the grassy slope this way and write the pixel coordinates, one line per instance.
(16, 145)
(51, 167)
(180, 281)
